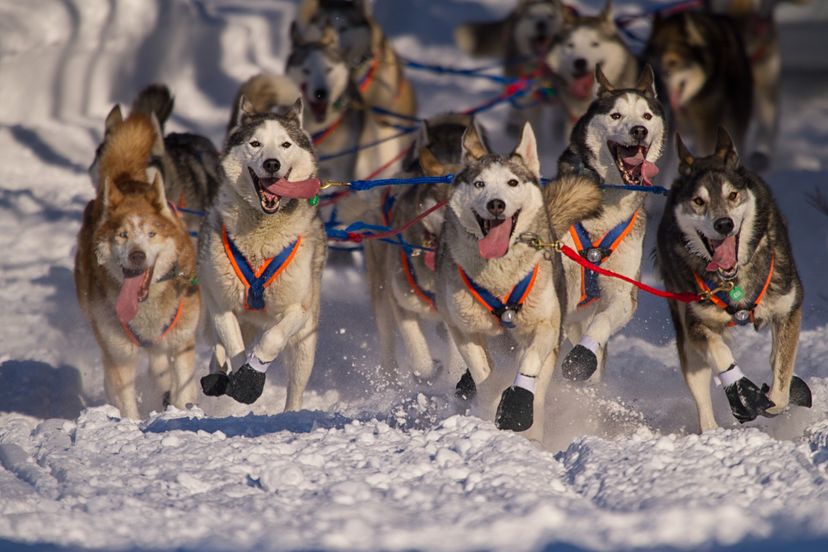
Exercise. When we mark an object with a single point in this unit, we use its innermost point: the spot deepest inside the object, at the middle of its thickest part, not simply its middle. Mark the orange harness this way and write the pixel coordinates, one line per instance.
(504, 309)
(739, 316)
(140, 342)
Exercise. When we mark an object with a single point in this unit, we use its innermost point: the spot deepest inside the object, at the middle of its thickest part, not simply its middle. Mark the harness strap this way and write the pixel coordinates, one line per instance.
(138, 341)
(597, 252)
(368, 79)
(411, 277)
(388, 202)
(256, 281)
(722, 300)
(510, 303)
(321, 135)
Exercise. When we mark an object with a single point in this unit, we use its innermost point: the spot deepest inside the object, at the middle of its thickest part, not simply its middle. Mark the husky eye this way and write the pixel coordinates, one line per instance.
(124, 234)
(615, 116)
(286, 145)
(733, 196)
(648, 116)
(479, 184)
(255, 144)
(594, 45)
(512, 182)
(305, 71)
(570, 45)
(151, 233)
(698, 201)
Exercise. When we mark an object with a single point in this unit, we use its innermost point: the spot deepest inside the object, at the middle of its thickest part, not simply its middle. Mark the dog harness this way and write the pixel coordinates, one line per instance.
(138, 341)
(597, 252)
(256, 281)
(740, 316)
(506, 309)
(411, 277)
(388, 201)
(321, 135)
(368, 79)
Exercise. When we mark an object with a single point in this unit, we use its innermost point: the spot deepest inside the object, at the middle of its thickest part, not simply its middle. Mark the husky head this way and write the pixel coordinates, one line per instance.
(320, 72)
(497, 197)
(715, 206)
(264, 149)
(586, 43)
(350, 18)
(536, 24)
(622, 133)
(679, 52)
(138, 240)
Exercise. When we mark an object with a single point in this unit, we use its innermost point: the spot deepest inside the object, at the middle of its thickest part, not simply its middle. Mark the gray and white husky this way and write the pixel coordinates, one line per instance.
(585, 43)
(489, 282)
(262, 231)
(722, 231)
(617, 142)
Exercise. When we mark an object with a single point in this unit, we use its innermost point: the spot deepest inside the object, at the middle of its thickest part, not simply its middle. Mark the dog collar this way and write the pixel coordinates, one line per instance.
(256, 281)
(138, 341)
(740, 316)
(506, 309)
(597, 252)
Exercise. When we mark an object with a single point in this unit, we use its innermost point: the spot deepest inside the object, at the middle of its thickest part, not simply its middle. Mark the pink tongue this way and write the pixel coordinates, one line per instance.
(643, 167)
(724, 255)
(582, 86)
(675, 96)
(126, 306)
(429, 258)
(496, 243)
(301, 189)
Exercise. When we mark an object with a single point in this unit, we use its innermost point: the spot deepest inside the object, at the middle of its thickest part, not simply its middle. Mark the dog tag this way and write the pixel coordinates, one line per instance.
(742, 317)
(314, 200)
(736, 294)
(508, 317)
(594, 255)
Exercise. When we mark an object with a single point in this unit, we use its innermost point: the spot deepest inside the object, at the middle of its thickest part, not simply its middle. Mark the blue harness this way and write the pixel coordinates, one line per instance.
(506, 309)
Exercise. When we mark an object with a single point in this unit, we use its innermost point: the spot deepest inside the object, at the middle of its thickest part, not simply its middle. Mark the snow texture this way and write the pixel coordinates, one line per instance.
(372, 464)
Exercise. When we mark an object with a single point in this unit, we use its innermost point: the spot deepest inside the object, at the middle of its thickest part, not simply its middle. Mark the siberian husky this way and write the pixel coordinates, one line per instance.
(374, 65)
(617, 141)
(722, 232)
(261, 254)
(188, 163)
(135, 273)
(585, 43)
(489, 282)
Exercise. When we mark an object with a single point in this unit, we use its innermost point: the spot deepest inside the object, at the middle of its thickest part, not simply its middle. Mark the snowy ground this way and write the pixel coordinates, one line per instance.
(369, 465)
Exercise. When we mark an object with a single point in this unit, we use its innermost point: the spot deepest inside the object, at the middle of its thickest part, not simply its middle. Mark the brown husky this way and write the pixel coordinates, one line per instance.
(134, 271)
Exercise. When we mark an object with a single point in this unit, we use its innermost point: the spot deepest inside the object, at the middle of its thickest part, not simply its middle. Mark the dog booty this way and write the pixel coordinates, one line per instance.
(246, 384)
(466, 388)
(746, 400)
(514, 412)
(579, 364)
(215, 385)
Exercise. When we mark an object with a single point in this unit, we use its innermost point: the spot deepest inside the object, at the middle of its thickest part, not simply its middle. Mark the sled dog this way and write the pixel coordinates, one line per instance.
(489, 282)
(722, 233)
(617, 142)
(134, 273)
(375, 66)
(188, 163)
(260, 257)
(701, 59)
(584, 43)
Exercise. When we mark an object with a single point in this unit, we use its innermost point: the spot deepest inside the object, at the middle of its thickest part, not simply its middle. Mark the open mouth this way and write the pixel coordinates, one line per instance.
(581, 84)
(319, 109)
(631, 162)
(497, 234)
(540, 43)
(724, 254)
(264, 186)
(134, 290)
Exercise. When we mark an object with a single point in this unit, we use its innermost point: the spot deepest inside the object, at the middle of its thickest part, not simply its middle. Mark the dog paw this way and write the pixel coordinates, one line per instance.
(246, 384)
(465, 390)
(514, 412)
(800, 395)
(746, 400)
(579, 364)
(166, 399)
(215, 384)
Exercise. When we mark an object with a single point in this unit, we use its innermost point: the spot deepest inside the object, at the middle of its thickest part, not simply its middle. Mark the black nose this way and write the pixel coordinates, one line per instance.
(496, 207)
(540, 27)
(638, 132)
(320, 94)
(271, 165)
(137, 257)
(580, 64)
(723, 225)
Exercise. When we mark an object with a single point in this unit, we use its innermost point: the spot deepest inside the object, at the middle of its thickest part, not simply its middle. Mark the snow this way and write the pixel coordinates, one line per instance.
(372, 464)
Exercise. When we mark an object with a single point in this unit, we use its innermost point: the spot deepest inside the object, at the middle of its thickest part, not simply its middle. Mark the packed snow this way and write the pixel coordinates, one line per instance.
(372, 464)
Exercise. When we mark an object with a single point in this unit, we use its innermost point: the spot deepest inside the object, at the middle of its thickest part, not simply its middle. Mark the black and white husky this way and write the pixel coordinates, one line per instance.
(617, 142)
(722, 232)
(261, 254)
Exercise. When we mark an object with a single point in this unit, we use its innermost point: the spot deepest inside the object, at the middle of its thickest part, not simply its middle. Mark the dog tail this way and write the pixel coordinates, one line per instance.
(266, 92)
(486, 39)
(155, 98)
(569, 199)
(127, 150)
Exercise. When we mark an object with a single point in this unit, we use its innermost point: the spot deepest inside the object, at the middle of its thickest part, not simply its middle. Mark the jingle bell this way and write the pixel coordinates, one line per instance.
(742, 316)
(594, 255)
(508, 316)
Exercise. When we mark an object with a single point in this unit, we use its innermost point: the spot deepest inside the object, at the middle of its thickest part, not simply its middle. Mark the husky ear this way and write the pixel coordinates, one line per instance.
(295, 111)
(296, 36)
(605, 87)
(304, 13)
(527, 150)
(725, 150)
(330, 38)
(430, 164)
(607, 21)
(112, 195)
(364, 6)
(473, 148)
(158, 196)
(113, 119)
(646, 82)
(686, 158)
(694, 35)
(570, 16)
(245, 111)
(158, 145)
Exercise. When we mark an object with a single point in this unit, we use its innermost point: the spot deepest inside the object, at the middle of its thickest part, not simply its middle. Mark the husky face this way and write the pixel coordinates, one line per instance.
(264, 149)
(497, 197)
(677, 49)
(350, 19)
(320, 72)
(537, 24)
(136, 240)
(715, 207)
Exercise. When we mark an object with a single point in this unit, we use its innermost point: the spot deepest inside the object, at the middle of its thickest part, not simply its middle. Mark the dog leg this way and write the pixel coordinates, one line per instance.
(229, 335)
(383, 314)
(416, 346)
(473, 350)
(184, 390)
(119, 383)
(697, 376)
(766, 110)
(785, 334)
(299, 356)
(160, 368)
